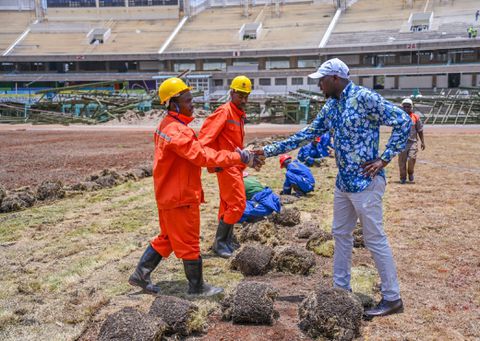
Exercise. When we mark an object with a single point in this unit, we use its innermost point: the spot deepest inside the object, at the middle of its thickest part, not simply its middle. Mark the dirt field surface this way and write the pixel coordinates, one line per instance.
(65, 265)
(31, 154)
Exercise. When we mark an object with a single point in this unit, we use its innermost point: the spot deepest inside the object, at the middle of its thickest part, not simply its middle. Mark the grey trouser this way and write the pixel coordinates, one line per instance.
(367, 207)
(408, 155)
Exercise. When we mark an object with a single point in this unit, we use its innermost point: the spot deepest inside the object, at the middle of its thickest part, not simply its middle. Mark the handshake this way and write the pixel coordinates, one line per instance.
(252, 158)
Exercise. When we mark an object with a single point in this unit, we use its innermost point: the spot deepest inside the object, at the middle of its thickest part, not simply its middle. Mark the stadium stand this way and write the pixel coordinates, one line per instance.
(51, 44)
(299, 25)
(63, 38)
(389, 44)
(391, 24)
(116, 13)
(14, 23)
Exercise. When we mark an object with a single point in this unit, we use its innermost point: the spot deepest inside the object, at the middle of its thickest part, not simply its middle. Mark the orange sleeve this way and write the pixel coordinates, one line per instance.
(212, 126)
(185, 145)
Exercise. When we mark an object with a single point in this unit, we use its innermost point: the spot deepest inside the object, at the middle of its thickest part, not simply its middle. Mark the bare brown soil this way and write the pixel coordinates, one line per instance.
(31, 154)
(29, 157)
(65, 265)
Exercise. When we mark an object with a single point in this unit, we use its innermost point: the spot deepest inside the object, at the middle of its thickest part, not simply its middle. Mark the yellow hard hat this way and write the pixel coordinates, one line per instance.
(171, 87)
(242, 84)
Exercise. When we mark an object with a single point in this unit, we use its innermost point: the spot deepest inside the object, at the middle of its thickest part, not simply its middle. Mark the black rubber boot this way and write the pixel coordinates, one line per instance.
(220, 245)
(232, 244)
(141, 276)
(196, 285)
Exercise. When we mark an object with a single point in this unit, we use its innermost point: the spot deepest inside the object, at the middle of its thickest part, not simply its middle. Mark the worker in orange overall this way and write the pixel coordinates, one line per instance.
(179, 157)
(224, 130)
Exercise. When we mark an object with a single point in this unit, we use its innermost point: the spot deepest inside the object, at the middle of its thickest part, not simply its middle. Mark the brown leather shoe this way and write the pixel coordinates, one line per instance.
(384, 308)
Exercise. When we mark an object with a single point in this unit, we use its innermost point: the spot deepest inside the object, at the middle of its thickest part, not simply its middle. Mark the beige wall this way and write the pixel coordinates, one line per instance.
(442, 81)
(466, 80)
(411, 82)
(389, 82)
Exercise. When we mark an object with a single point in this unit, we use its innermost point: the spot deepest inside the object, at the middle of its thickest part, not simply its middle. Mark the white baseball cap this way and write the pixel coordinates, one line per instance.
(332, 67)
(407, 101)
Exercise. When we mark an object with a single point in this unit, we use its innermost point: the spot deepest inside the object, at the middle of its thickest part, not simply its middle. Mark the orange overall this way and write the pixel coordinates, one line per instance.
(179, 157)
(224, 130)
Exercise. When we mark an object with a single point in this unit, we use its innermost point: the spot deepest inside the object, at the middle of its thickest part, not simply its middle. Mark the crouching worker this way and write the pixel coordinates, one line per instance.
(261, 201)
(179, 157)
(312, 154)
(298, 176)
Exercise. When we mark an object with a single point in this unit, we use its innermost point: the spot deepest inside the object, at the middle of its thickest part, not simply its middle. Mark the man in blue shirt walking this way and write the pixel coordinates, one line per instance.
(356, 114)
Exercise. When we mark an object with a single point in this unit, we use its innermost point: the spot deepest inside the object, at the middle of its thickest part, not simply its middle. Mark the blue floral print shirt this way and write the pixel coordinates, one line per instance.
(356, 119)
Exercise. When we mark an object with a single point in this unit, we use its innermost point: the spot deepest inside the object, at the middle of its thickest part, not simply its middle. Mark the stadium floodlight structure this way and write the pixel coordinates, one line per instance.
(277, 8)
(341, 4)
(245, 4)
(40, 9)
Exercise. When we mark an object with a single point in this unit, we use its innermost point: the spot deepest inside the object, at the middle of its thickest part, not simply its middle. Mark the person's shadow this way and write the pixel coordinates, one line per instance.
(176, 288)
(406, 183)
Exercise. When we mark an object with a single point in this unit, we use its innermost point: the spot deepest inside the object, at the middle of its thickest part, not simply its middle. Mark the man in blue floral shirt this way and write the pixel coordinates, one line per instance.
(356, 114)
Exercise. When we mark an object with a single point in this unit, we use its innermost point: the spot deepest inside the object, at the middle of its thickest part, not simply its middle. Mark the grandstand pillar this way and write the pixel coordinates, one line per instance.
(107, 65)
(228, 61)
(262, 63)
(186, 8)
(293, 62)
(169, 65)
(434, 81)
(474, 79)
(40, 11)
(365, 60)
(408, 3)
(396, 80)
(341, 4)
(199, 65)
(245, 8)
